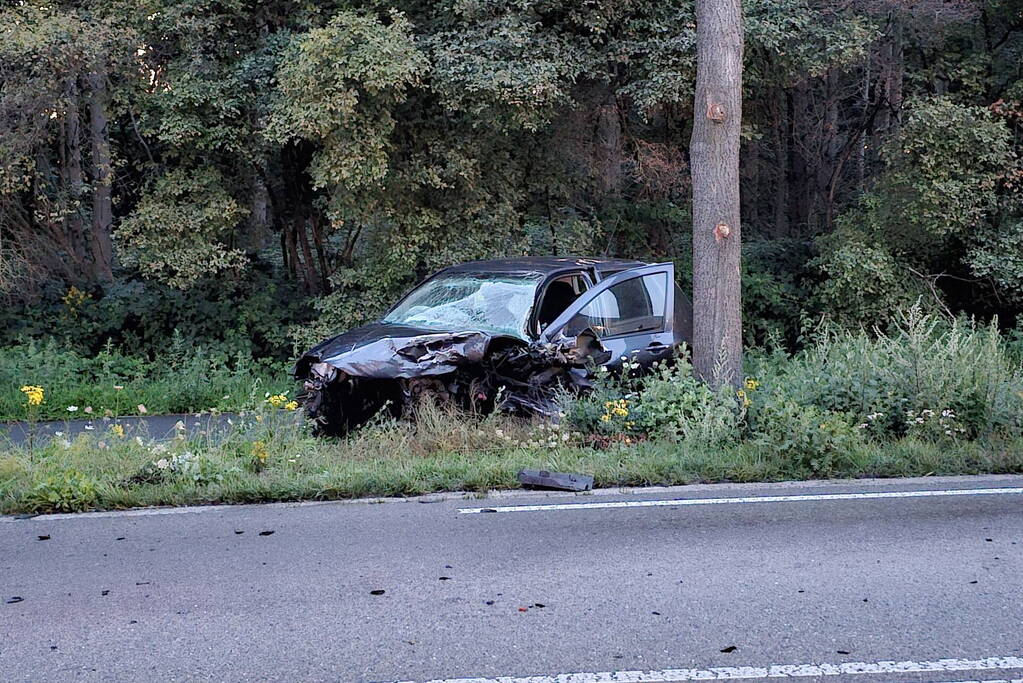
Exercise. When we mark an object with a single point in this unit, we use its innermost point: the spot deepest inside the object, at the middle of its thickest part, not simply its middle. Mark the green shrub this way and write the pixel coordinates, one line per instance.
(924, 362)
(669, 403)
(243, 314)
(802, 435)
(70, 492)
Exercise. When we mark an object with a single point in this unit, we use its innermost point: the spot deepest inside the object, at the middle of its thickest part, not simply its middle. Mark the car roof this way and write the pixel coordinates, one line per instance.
(546, 265)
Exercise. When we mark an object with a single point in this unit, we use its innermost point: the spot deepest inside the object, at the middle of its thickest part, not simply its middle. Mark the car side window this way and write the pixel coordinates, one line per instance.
(558, 296)
(630, 307)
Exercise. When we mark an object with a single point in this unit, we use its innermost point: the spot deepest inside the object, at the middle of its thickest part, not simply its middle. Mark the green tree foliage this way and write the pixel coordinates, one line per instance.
(179, 231)
(933, 211)
(339, 87)
(339, 151)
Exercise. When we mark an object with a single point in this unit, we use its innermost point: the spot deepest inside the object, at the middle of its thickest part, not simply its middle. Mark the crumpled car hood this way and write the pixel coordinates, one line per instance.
(388, 351)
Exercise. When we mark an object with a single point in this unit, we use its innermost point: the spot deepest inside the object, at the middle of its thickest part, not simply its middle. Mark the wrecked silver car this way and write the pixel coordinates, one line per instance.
(506, 334)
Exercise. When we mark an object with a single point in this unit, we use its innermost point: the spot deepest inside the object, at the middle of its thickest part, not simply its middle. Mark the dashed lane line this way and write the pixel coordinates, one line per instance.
(730, 673)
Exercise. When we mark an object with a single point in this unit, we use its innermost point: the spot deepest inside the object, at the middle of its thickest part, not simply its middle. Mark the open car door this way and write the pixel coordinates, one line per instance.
(631, 312)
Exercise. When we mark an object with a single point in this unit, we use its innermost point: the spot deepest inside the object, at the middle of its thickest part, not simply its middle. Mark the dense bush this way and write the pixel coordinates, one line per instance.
(923, 363)
(246, 314)
(927, 378)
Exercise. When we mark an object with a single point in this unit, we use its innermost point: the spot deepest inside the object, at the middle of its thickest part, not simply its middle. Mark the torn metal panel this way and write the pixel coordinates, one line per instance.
(464, 368)
(564, 481)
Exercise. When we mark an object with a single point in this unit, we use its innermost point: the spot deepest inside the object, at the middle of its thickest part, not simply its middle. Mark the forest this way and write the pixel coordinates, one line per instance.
(248, 176)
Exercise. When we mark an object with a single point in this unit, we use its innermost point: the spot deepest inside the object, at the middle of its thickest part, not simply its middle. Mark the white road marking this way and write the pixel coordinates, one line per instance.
(730, 673)
(990, 680)
(746, 499)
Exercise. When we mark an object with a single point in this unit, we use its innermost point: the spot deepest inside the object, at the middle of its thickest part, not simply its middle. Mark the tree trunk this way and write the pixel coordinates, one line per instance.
(751, 185)
(714, 153)
(102, 177)
(75, 181)
(861, 144)
(805, 139)
(608, 147)
(781, 157)
(895, 91)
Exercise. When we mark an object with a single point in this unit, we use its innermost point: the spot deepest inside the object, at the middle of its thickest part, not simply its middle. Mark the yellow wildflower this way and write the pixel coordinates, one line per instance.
(33, 394)
(74, 297)
(751, 384)
(277, 400)
(291, 405)
(259, 452)
(117, 430)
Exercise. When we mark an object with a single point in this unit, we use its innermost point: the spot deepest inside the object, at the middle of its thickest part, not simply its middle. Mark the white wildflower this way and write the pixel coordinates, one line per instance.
(72, 409)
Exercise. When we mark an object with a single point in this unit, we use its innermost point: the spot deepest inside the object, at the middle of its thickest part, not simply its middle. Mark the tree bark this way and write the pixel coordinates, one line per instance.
(608, 147)
(714, 153)
(102, 177)
(781, 157)
(751, 185)
(75, 181)
(806, 138)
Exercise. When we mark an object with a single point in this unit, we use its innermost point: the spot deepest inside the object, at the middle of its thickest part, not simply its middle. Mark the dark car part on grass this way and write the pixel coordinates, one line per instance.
(563, 481)
(510, 334)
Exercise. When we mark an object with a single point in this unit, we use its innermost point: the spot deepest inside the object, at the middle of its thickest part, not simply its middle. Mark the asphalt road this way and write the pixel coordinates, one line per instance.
(713, 584)
(159, 427)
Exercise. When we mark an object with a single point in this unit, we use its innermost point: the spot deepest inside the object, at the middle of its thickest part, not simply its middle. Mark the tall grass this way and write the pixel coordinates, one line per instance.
(924, 362)
(184, 379)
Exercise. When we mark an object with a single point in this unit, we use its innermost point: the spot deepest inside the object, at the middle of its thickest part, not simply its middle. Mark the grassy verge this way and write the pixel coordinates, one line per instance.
(929, 396)
(111, 383)
(266, 458)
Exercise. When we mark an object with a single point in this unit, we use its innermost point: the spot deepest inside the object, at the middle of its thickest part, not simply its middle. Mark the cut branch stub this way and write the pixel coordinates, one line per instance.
(715, 112)
(721, 231)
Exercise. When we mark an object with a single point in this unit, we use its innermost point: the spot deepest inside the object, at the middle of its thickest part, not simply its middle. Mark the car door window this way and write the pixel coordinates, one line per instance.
(558, 296)
(629, 307)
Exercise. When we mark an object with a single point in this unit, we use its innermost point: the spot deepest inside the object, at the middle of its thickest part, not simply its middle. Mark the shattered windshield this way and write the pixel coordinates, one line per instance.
(498, 304)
